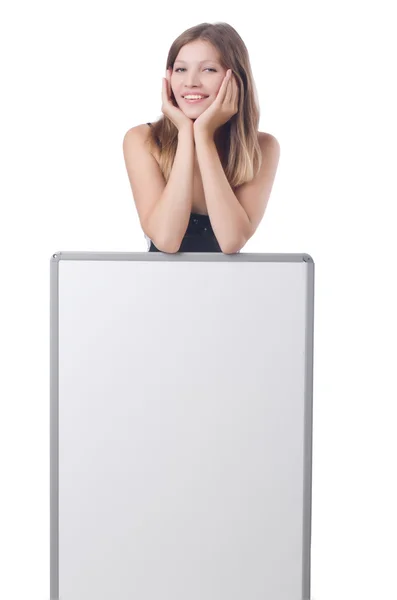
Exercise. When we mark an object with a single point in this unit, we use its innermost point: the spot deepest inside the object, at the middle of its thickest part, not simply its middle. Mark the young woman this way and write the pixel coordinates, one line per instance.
(201, 175)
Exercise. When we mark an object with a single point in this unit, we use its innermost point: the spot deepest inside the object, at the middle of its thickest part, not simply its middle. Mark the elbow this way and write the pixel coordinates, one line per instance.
(168, 246)
(171, 246)
(161, 241)
(232, 248)
(230, 251)
(171, 249)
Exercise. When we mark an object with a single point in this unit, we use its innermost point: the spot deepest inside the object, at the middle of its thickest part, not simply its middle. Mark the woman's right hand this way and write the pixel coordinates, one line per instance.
(174, 113)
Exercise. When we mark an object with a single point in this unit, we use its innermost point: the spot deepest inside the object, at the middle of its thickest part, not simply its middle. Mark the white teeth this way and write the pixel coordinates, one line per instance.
(194, 97)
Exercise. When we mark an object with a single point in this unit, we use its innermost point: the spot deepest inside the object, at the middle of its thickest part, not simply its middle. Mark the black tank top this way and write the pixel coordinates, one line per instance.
(199, 235)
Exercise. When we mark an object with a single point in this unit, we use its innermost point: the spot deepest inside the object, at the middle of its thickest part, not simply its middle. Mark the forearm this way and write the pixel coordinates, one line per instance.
(170, 217)
(228, 218)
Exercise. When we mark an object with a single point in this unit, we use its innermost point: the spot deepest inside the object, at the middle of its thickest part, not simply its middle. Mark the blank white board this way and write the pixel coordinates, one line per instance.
(181, 426)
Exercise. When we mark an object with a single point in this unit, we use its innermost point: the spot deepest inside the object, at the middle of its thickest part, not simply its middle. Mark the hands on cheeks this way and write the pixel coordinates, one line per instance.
(222, 109)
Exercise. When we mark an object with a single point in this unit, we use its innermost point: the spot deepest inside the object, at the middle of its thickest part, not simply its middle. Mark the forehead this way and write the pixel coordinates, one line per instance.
(198, 51)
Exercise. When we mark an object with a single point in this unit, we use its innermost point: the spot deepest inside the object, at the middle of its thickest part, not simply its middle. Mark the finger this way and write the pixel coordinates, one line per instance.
(165, 93)
(235, 94)
(164, 88)
(229, 90)
(167, 85)
(222, 90)
(232, 93)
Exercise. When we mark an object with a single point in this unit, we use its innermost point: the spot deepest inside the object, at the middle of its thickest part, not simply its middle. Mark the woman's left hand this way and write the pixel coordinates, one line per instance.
(222, 109)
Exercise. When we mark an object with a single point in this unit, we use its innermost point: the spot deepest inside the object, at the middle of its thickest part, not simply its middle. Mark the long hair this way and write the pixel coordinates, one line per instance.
(236, 140)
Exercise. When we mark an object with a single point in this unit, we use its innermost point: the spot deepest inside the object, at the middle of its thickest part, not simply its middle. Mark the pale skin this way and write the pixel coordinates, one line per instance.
(200, 184)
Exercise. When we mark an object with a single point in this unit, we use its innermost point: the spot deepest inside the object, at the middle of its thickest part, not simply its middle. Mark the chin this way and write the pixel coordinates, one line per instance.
(189, 112)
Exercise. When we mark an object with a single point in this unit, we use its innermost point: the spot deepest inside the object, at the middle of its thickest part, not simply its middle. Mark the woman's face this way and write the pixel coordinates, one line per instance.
(197, 70)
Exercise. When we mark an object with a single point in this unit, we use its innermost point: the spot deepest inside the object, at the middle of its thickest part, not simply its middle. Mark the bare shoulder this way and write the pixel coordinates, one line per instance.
(140, 138)
(137, 133)
(267, 140)
(270, 150)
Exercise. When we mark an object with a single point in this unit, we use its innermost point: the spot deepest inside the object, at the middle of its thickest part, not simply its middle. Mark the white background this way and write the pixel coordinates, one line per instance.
(75, 77)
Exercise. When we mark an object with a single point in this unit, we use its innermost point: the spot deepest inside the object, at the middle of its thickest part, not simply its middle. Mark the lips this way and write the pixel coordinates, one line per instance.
(194, 100)
(203, 96)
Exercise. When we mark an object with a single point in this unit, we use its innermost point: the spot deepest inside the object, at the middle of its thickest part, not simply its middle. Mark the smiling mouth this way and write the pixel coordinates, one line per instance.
(194, 100)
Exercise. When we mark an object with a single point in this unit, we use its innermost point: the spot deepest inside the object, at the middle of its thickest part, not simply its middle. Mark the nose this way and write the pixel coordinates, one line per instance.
(192, 79)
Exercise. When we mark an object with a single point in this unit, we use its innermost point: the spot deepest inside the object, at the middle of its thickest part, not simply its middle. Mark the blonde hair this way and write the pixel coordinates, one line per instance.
(237, 139)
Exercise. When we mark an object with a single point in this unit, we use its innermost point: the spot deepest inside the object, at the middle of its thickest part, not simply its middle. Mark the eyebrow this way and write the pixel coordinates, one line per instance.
(201, 61)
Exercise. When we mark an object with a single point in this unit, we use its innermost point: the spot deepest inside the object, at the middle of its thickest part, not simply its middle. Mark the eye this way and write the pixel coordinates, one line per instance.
(183, 69)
